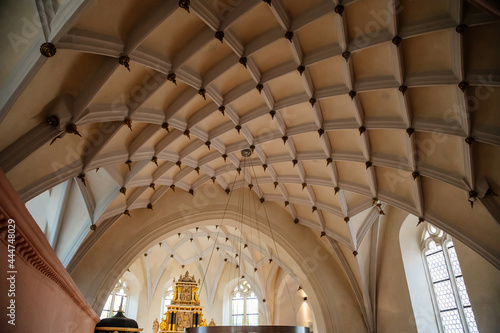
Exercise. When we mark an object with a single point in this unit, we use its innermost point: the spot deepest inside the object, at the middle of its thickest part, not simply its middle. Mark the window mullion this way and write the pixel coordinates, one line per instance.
(110, 313)
(453, 282)
(244, 310)
(437, 315)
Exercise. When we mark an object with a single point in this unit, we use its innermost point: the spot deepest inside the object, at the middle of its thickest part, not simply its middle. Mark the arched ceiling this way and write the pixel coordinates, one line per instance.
(239, 252)
(220, 256)
(240, 246)
(343, 104)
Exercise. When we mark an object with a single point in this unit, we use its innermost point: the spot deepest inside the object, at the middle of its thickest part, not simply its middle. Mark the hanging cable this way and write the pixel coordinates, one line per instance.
(217, 236)
(274, 241)
(252, 230)
(241, 211)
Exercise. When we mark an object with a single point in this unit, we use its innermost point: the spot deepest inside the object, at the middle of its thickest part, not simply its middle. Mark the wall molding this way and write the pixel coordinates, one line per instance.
(33, 247)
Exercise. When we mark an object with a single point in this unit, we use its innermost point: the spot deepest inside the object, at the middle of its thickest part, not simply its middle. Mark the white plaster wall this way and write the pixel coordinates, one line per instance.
(289, 305)
(410, 238)
(74, 219)
(134, 287)
(38, 209)
(394, 309)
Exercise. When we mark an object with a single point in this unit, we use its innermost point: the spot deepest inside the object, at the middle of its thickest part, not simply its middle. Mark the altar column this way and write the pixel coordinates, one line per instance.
(174, 317)
(195, 319)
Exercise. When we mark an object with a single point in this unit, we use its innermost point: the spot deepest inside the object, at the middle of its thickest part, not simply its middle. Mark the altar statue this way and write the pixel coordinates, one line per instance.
(156, 326)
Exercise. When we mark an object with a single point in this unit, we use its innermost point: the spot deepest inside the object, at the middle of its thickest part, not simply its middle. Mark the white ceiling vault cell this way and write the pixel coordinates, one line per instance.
(349, 107)
(249, 251)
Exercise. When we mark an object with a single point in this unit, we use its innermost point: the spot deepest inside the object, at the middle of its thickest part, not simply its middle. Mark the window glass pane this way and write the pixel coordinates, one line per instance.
(104, 314)
(121, 292)
(437, 266)
(238, 320)
(454, 260)
(451, 322)
(244, 305)
(252, 306)
(116, 304)
(463, 291)
(471, 321)
(444, 295)
(238, 306)
(253, 320)
(433, 248)
(168, 299)
(107, 306)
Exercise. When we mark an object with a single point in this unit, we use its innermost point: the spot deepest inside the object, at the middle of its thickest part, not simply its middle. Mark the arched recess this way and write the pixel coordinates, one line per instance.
(480, 277)
(331, 297)
(410, 240)
(167, 287)
(256, 287)
(134, 289)
(283, 312)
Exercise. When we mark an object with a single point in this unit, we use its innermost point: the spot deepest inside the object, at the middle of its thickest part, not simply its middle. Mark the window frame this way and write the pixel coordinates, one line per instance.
(440, 238)
(118, 286)
(245, 296)
(168, 290)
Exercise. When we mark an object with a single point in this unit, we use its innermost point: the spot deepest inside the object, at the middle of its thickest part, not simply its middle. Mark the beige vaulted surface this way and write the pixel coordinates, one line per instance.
(352, 110)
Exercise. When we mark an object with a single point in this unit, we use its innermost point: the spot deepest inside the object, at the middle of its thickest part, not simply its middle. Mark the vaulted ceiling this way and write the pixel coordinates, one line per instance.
(252, 253)
(343, 105)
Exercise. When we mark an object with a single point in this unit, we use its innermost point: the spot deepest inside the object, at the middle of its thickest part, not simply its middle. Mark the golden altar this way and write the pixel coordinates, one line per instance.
(184, 311)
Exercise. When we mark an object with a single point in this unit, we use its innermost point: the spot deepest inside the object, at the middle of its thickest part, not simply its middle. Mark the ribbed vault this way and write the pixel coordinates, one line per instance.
(307, 259)
(349, 108)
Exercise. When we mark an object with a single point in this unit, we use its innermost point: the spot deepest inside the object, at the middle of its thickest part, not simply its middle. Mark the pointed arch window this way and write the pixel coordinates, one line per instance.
(167, 298)
(244, 305)
(451, 301)
(118, 295)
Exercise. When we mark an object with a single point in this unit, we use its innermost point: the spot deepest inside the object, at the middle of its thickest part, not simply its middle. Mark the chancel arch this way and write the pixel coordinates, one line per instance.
(295, 257)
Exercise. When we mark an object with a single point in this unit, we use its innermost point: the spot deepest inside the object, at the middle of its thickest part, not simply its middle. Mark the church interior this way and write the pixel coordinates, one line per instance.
(328, 165)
